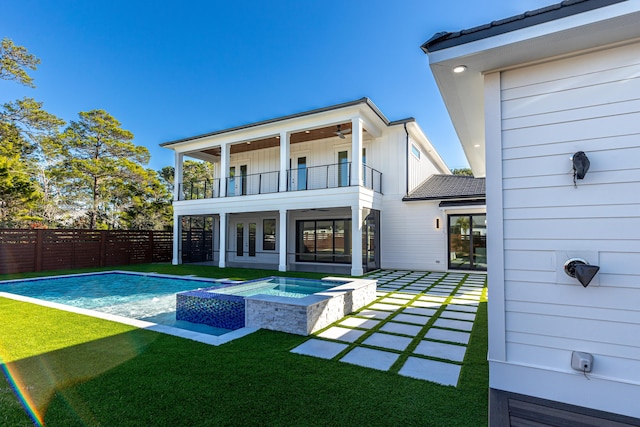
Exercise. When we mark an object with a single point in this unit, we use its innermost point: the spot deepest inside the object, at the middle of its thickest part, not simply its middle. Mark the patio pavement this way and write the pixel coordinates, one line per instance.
(419, 326)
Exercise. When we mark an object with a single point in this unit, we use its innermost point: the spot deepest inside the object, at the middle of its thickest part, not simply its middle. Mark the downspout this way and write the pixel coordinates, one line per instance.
(406, 159)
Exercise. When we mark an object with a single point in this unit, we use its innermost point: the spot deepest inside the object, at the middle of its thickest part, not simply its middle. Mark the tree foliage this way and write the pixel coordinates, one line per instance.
(462, 171)
(197, 177)
(90, 175)
(14, 60)
(105, 169)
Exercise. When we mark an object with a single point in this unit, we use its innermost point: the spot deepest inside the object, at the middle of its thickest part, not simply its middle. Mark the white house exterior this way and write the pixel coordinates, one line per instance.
(315, 191)
(535, 89)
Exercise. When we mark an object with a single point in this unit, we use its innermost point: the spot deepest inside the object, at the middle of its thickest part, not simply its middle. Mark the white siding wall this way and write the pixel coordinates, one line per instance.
(587, 103)
(409, 237)
(419, 168)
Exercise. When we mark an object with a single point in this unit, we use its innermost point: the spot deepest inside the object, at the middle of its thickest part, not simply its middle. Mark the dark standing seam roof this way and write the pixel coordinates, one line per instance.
(439, 187)
(445, 40)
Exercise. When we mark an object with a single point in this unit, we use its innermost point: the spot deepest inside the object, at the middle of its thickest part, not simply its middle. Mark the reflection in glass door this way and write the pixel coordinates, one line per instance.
(302, 173)
(468, 242)
(343, 168)
(246, 240)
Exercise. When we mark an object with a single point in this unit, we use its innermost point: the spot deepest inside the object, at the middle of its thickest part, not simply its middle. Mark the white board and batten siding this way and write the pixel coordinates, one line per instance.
(549, 111)
(409, 238)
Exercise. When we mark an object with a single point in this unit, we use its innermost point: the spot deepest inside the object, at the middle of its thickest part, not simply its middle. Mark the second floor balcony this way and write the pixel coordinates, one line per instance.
(299, 179)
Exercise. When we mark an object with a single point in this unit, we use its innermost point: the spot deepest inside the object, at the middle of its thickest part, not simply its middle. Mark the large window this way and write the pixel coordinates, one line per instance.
(269, 235)
(324, 241)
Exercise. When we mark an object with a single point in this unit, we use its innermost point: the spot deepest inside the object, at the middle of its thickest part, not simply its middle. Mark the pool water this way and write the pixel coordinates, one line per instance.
(279, 286)
(133, 295)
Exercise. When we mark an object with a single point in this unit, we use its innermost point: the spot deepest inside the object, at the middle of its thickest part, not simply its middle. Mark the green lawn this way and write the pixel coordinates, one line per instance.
(77, 370)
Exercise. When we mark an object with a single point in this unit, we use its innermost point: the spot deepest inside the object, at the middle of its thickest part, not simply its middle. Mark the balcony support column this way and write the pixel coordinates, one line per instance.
(224, 168)
(356, 240)
(282, 240)
(284, 160)
(356, 151)
(177, 240)
(222, 258)
(177, 175)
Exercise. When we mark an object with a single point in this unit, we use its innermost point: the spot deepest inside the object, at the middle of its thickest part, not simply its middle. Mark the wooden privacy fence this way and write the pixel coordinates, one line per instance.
(23, 251)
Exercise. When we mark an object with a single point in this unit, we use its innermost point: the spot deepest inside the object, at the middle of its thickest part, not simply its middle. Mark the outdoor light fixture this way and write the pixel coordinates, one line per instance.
(460, 69)
(580, 166)
(580, 269)
(437, 223)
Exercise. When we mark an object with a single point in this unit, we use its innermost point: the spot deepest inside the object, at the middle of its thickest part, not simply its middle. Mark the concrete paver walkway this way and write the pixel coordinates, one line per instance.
(419, 326)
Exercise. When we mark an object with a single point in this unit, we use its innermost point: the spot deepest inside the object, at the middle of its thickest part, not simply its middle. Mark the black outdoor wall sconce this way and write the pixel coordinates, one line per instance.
(580, 166)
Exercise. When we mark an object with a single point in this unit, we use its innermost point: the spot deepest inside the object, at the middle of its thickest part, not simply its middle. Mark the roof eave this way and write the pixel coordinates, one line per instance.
(356, 102)
(463, 93)
(470, 196)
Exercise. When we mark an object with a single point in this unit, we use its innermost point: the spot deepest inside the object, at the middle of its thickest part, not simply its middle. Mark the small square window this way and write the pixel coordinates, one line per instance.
(415, 151)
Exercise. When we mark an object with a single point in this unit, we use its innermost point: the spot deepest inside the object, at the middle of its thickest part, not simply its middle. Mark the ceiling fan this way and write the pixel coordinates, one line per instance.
(342, 133)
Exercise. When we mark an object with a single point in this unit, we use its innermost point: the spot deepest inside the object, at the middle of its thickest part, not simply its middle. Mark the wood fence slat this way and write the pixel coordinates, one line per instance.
(23, 251)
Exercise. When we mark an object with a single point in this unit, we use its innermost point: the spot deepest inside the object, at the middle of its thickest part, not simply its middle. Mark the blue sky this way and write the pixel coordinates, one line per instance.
(168, 70)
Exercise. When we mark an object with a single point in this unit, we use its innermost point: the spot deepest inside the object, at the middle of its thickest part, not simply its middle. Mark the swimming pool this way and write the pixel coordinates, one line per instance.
(147, 297)
(171, 304)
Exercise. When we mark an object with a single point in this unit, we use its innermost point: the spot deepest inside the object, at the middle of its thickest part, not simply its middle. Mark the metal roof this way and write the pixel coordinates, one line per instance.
(440, 187)
(364, 100)
(443, 40)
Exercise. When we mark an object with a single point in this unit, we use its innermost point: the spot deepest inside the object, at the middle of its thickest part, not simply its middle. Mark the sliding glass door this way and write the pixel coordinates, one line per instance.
(468, 242)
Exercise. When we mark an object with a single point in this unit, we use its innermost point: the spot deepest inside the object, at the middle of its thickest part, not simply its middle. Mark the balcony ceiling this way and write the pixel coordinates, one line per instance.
(274, 141)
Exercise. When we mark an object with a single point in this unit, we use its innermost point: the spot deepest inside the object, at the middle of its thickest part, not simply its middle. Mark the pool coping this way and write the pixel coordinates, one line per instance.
(142, 324)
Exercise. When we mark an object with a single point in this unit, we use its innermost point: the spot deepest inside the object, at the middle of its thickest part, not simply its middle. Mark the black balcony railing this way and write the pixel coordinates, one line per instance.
(258, 183)
(372, 179)
(300, 179)
(319, 177)
(193, 190)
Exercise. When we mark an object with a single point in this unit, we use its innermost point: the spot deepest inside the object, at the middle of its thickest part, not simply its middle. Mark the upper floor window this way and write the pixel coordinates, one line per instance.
(415, 151)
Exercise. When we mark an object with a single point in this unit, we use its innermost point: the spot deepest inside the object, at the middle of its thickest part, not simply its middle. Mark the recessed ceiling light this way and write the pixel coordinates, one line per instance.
(306, 131)
(476, 145)
(460, 69)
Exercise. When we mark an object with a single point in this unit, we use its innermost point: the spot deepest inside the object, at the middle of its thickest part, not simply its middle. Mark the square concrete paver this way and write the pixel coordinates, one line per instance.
(384, 307)
(387, 341)
(341, 334)
(444, 335)
(454, 324)
(402, 296)
(434, 298)
(370, 358)
(412, 318)
(420, 311)
(375, 314)
(441, 350)
(397, 301)
(400, 328)
(468, 308)
(426, 304)
(458, 315)
(355, 322)
(320, 348)
(431, 370)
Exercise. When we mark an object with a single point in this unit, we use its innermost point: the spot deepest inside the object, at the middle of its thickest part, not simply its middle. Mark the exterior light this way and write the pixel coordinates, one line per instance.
(460, 69)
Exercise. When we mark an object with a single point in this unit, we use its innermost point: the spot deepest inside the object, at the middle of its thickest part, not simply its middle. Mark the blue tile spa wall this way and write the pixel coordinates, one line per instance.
(218, 310)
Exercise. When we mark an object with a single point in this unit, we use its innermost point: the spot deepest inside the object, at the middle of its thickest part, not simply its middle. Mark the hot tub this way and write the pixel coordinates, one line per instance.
(298, 306)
